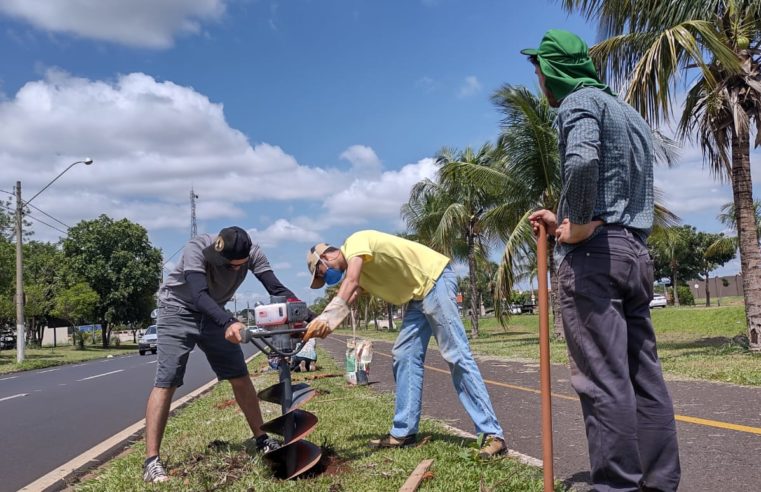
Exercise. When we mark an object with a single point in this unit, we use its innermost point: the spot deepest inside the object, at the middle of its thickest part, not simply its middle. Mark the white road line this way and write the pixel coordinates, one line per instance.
(14, 396)
(6, 379)
(152, 362)
(100, 375)
(48, 370)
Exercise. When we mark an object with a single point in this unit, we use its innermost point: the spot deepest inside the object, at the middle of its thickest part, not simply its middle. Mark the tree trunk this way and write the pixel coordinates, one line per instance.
(390, 317)
(555, 299)
(473, 288)
(673, 286)
(104, 335)
(708, 292)
(750, 255)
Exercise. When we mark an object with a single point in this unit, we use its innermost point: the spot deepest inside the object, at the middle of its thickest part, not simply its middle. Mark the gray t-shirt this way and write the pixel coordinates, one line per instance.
(222, 281)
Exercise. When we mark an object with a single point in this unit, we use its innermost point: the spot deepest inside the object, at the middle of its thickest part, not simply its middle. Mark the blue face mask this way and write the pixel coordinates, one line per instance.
(333, 276)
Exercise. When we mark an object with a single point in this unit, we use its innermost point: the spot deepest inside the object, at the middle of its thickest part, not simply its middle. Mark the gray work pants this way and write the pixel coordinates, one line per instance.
(605, 288)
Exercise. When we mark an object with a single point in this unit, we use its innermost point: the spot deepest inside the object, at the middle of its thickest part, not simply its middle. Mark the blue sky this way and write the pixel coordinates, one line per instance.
(299, 120)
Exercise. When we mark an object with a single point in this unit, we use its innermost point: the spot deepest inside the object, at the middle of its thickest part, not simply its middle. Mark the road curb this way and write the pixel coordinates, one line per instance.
(61, 477)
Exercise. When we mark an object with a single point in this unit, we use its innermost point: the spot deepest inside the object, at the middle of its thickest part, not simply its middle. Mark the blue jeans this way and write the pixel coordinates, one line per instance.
(437, 315)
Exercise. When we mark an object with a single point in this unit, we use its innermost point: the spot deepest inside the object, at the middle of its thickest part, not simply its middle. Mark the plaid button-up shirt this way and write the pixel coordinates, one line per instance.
(606, 154)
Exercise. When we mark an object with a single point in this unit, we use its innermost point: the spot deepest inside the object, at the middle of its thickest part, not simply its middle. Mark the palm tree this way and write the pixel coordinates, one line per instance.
(668, 242)
(729, 218)
(453, 215)
(652, 43)
(528, 176)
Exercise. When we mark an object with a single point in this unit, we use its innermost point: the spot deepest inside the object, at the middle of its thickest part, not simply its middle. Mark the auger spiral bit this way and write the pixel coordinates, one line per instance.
(279, 326)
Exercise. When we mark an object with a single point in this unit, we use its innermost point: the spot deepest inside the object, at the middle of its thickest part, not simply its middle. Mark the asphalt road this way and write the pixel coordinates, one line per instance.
(49, 416)
(718, 425)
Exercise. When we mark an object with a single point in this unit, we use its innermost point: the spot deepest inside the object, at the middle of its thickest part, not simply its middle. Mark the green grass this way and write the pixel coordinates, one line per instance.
(695, 342)
(204, 449)
(38, 358)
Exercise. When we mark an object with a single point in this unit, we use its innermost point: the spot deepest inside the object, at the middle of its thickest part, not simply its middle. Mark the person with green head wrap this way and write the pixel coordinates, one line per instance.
(605, 274)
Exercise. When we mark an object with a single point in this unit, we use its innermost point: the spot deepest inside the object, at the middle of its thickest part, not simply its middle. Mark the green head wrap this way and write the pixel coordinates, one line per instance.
(565, 63)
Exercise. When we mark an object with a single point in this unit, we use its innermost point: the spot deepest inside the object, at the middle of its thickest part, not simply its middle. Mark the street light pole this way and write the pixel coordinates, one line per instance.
(20, 329)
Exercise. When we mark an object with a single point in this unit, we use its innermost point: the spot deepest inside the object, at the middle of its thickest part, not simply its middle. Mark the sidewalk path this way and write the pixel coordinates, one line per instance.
(719, 425)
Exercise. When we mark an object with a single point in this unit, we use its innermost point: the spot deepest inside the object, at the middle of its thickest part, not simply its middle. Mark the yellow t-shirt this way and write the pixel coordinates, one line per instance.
(395, 269)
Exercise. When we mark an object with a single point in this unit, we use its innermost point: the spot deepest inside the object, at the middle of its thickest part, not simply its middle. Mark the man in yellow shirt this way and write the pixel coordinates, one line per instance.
(400, 271)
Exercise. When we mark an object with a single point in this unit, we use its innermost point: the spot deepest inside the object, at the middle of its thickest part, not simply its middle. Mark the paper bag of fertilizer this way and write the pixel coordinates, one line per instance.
(359, 354)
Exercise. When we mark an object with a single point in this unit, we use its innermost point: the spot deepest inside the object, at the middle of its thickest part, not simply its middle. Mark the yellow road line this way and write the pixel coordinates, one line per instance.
(681, 418)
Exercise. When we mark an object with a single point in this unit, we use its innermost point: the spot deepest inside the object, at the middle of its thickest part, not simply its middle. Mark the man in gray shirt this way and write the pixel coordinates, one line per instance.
(191, 312)
(605, 273)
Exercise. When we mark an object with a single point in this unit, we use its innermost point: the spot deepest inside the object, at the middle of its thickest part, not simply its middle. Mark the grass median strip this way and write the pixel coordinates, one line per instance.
(204, 448)
(40, 358)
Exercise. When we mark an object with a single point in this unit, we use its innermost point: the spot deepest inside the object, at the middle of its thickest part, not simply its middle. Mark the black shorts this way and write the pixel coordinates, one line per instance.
(179, 330)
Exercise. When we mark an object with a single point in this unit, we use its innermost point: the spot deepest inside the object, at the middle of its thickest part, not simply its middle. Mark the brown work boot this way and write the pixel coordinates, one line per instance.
(493, 446)
(389, 441)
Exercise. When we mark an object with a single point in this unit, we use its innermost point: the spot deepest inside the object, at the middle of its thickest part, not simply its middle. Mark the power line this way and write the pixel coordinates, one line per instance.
(173, 254)
(39, 210)
(50, 216)
(45, 223)
(38, 220)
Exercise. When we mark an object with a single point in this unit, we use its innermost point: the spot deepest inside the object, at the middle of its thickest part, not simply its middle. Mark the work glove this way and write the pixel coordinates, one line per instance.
(330, 318)
(317, 328)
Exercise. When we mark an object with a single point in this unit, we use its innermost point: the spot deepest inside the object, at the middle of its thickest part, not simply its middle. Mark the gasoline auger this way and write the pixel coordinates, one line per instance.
(278, 329)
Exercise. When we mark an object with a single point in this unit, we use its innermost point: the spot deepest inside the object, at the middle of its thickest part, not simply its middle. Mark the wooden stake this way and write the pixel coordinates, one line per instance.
(413, 481)
(544, 360)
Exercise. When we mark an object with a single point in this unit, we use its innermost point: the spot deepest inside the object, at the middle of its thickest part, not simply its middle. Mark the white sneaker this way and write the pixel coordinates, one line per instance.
(154, 472)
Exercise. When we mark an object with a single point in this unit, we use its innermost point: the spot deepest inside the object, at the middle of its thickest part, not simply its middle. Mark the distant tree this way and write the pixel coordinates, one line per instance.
(118, 261)
(8, 221)
(713, 251)
(76, 304)
(667, 246)
(729, 219)
(458, 217)
(7, 282)
(43, 273)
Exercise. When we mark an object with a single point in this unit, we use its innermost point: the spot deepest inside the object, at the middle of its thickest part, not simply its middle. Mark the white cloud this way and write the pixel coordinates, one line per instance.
(380, 198)
(690, 188)
(470, 87)
(281, 231)
(143, 23)
(151, 141)
(363, 159)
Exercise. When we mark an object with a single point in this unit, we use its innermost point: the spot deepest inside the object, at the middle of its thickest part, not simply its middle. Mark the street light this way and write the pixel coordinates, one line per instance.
(20, 335)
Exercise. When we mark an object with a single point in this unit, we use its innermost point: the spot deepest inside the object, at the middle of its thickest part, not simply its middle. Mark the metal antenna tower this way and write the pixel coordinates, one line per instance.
(193, 225)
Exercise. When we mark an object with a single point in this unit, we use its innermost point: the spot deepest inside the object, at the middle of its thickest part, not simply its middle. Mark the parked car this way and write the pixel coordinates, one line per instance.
(659, 300)
(147, 341)
(7, 340)
(528, 308)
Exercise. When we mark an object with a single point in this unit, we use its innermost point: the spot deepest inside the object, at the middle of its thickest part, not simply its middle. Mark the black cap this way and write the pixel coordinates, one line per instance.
(232, 243)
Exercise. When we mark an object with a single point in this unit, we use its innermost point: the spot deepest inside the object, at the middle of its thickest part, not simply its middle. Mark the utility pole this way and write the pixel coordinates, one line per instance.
(193, 225)
(20, 335)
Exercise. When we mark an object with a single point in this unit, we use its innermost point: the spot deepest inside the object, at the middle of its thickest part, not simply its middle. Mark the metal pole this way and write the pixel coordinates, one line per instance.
(20, 335)
(544, 360)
